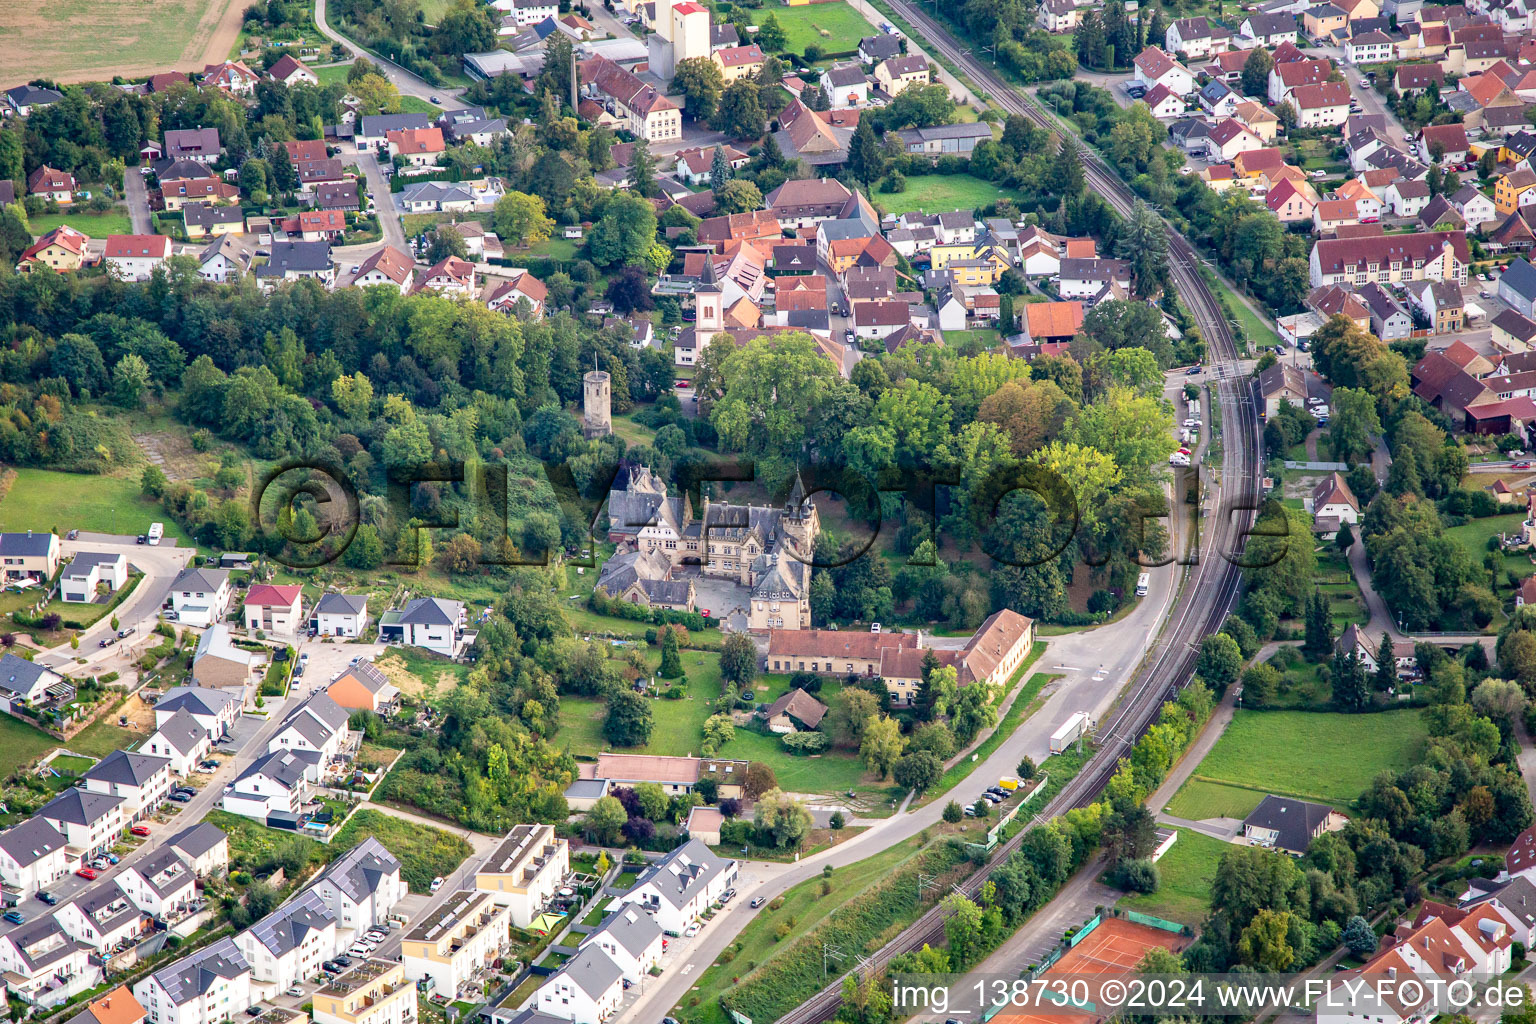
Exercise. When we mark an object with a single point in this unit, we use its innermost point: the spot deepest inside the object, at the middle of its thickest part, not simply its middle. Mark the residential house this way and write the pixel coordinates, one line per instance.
(200, 145)
(589, 987)
(340, 614)
(1407, 198)
(161, 882)
(318, 729)
(1288, 824)
(1442, 303)
(84, 578)
(1217, 99)
(1086, 279)
(737, 62)
(1057, 16)
(703, 824)
(1052, 321)
(44, 966)
(181, 740)
(1163, 102)
(1514, 190)
(200, 597)
(362, 687)
(1229, 137)
(103, 918)
(1256, 118)
(212, 220)
(53, 185)
(23, 98)
(90, 822)
(1449, 141)
(390, 268)
(207, 987)
(61, 249)
(467, 932)
(1475, 207)
(221, 666)
(435, 197)
(645, 111)
(117, 1006)
(291, 261)
(675, 775)
(429, 622)
(877, 318)
(287, 947)
(1284, 78)
(363, 886)
(1267, 30)
(1372, 47)
(450, 276)
(1331, 214)
(899, 73)
(507, 295)
(631, 938)
(1429, 256)
(795, 711)
(26, 683)
(1332, 497)
(290, 72)
(178, 193)
(275, 783)
(214, 709)
(1517, 287)
(1195, 38)
(680, 886)
(1324, 105)
(873, 49)
(1279, 383)
(374, 992)
(1291, 201)
(846, 86)
(524, 870)
(235, 78)
(420, 147)
(1414, 79)
(32, 855)
(1389, 320)
(1325, 22)
(338, 196)
(944, 139)
(1155, 67)
(142, 780)
(274, 608)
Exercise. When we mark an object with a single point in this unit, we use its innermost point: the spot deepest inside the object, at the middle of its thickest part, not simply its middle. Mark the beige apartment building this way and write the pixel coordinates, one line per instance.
(524, 870)
(466, 933)
(374, 992)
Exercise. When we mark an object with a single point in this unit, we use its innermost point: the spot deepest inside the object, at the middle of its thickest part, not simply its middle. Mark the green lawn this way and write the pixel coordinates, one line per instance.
(1197, 800)
(833, 27)
(333, 73)
(679, 725)
(98, 225)
(23, 743)
(831, 772)
(416, 105)
(104, 736)
(555, 249)
(424, 852)
(1186, 872)
(1258, 331)
(936, 193)
(1326, 757)
(1473, 535)
(43, 499)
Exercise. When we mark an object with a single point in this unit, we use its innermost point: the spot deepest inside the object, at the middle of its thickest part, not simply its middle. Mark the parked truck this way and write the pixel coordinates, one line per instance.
(1069, 733)
(156, 531)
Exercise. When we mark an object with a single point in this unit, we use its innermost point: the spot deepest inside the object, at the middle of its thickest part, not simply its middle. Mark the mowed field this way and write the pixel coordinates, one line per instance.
(1328, 758)
(90, 40)
(834, 27)
(42, 500)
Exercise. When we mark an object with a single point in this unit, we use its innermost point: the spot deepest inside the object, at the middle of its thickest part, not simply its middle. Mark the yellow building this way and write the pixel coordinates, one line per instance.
(737, 62)
(467, 932)
(975, 272)
(525, 870)
(374, 992)
(983, 249)
(1508, 190)
(63, 248)
(898, 73)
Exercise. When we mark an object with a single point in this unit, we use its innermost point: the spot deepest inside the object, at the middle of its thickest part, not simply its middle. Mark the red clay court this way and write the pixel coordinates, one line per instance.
(1115, 947)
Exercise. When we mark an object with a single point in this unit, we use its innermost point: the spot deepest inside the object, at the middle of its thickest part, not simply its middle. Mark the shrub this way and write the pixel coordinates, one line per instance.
(1137, 876)
(804, 742)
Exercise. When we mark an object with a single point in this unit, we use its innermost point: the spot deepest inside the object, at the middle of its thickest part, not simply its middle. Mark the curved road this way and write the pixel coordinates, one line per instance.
(408, 83)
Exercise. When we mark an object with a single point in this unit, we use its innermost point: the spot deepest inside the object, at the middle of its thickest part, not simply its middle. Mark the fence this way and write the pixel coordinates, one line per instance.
(1135, 917)
(1083, 932)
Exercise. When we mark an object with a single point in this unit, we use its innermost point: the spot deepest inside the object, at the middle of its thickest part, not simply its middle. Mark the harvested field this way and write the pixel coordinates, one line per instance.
(92, 40)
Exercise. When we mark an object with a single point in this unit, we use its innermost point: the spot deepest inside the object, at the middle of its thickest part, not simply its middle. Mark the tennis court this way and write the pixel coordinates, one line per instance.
(1116, 947)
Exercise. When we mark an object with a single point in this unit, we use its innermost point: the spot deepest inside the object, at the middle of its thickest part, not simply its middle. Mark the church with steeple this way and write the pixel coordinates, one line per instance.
(764, 550)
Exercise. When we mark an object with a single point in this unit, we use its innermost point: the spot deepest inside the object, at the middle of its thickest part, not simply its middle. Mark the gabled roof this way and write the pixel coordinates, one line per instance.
(396, 266)
(197, 700)
(198, 839)
(190, 977)
(1293, 820)
(289, 925)
(432, 611)
(631, 928)
(30, 841)
(284, 767)
(1333, 490)
(342, 604)
(359, 872)
(79, 807)
(269, 595)
(20, 677)
(182, 732)
(125, 768)
(800, 706)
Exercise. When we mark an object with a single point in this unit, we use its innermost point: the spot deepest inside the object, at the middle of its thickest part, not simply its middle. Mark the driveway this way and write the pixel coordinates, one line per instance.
(383, 201)
(137, 197)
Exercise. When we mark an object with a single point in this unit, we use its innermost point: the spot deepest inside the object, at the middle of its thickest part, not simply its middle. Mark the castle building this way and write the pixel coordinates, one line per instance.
(764, 550)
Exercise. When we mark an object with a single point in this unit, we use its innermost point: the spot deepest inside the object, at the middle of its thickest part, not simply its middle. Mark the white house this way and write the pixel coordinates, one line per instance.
(142, 780)
(43, 965)
(214, 709)
(680, 886)
(1407, 198)
(340, 615)
(430, 622)
(204, 846)
(88, 570)
(319, 727)
(274, 608)
(134, 257)
(210, 986)
(1196, 37)
(1517, 289)
(466, 933)
(1084, 279)
(846, 86)
(632, 939)
(32, 855)
(24, 683)
(274, 783)
(362, 886)
(104, 918)
(1154, 67)
(1474, 207)
(160, 883)
(1324, 105)
(200, 597)
(288, 946)
(587, 990)
(90, 822)
(389, 267)
(1332, 497)
(182, 740)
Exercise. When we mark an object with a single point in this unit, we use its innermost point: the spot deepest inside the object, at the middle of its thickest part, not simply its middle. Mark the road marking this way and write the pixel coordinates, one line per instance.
(685, 970)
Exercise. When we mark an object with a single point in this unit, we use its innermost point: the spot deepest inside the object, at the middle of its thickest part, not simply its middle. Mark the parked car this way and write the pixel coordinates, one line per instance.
(15, 917)
(757, 901)
(139, 830)
(1521, 465)
(125, 632)
(181, 798)
(48, 897)
(89, 874)
(254, 1011)
(1193, 370)
(295, 990)
(437, 883)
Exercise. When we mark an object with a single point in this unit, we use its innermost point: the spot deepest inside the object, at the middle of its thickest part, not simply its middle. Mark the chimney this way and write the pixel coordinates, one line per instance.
(1392, 972)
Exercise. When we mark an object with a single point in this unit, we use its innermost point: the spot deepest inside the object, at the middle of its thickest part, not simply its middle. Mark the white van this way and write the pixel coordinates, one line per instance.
(1143, 582)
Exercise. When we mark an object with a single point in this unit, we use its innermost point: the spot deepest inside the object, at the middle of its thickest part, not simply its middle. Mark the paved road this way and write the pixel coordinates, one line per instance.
(408, 83)
(384, 208)
(160, 563)
(137, 197)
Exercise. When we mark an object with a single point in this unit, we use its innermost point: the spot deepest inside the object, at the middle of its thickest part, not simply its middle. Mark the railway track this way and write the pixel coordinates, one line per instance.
(1210, 587)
